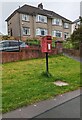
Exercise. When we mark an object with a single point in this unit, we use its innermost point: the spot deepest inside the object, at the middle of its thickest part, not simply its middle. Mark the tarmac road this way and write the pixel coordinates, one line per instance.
(69, 109)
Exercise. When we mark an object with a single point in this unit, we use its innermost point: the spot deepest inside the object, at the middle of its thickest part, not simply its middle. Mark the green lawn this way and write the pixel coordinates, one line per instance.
(25, 83)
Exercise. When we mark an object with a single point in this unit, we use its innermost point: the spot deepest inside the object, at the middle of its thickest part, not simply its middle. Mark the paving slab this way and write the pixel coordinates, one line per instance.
(41, 107)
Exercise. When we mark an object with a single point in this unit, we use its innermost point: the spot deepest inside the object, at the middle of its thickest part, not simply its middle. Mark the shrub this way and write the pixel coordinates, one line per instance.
(33, 41)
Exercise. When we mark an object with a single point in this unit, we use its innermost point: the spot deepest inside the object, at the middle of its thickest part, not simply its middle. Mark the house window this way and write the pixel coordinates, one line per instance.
(66, 35)
(41, 18)
(66, 25)
(57, 21)
(25, 17)
(78, 23)
(26, 31)
(56, 33)
(41, 31)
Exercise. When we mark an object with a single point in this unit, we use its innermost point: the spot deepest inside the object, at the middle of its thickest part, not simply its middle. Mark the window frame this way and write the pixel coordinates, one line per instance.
(28, 29)
(66, 25)
(40, 30)
(25, 16)
(56, 32)
(67, 35)
(41, 18)
(57, 21)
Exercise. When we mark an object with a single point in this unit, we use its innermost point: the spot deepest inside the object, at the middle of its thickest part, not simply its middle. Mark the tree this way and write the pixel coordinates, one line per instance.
(76, 37)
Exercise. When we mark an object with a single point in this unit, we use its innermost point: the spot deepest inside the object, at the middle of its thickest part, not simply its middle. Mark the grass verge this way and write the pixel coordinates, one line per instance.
(25, 82)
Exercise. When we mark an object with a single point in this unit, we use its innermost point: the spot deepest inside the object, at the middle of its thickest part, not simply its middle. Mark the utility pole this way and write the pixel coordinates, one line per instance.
(47, 62)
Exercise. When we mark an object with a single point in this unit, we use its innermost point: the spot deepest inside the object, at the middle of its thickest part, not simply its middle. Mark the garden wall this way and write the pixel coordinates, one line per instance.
(25, 54)
(72, 52)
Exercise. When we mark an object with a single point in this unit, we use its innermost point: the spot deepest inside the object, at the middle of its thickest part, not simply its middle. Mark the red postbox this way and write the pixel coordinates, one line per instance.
(46, 44)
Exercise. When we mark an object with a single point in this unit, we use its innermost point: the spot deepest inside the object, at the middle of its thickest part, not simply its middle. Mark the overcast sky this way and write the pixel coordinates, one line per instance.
(69, 9)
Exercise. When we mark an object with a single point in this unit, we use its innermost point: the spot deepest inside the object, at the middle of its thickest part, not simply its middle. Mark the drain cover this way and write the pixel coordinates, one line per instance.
(60, 83)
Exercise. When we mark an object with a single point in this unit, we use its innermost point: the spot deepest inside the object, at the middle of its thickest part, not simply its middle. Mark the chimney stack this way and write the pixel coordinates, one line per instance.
(40, 6)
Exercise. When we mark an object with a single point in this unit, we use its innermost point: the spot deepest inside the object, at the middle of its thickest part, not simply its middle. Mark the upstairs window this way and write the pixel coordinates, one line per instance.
(26, 31)
(25, 17)
(78, 23)
(56, 33)
(57, 21)
(41, 18)
(41, 31)
(66, 25)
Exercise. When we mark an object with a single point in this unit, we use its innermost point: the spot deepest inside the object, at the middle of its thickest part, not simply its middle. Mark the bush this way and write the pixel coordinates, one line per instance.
(6, 37)
(68, 44)
(33, 41)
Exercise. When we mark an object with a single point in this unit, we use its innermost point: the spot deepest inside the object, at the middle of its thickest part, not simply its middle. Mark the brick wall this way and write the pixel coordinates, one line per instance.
(72, 52)
(25, 54)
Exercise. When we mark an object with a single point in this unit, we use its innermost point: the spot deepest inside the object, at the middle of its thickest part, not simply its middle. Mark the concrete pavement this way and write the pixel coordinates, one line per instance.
(34, 110)
(79, 59)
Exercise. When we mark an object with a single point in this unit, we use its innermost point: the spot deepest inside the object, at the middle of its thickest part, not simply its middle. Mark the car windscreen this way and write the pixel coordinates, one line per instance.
(13, 43)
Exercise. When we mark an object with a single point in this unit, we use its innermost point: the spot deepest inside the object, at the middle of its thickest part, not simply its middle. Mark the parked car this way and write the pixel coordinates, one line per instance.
(12, 45)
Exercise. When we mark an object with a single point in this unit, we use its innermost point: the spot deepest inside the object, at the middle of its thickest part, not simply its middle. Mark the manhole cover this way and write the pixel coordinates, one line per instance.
(60, 83)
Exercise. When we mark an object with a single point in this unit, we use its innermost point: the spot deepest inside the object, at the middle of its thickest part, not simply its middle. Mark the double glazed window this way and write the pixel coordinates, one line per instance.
(41, 31)
(26, 31)
(57, 21)
(78, 23)
(56, 33)
(41, 18)
(66, 25)
(25, 17)
(66, 35)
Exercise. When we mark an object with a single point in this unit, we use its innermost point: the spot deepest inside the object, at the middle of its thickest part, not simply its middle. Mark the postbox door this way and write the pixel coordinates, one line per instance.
(49, 47)
(46, 44)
